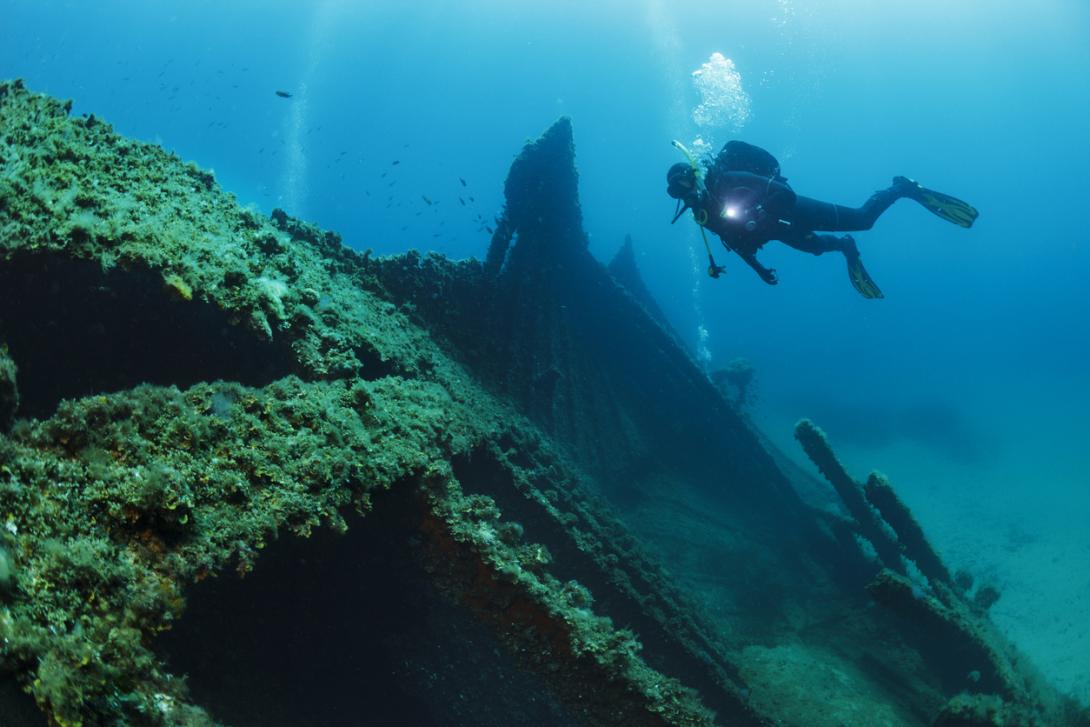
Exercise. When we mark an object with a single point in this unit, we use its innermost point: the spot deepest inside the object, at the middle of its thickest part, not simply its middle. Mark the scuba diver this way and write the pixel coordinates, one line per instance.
(743, 198)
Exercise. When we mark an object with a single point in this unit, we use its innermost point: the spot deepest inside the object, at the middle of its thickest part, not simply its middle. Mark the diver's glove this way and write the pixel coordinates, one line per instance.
(714, 271)
(767, 274)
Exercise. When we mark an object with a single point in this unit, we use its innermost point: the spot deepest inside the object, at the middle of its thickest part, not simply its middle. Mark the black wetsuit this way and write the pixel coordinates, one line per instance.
(747, 210)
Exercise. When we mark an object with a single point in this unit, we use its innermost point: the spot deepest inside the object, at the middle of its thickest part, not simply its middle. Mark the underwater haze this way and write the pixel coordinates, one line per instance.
(968, 384)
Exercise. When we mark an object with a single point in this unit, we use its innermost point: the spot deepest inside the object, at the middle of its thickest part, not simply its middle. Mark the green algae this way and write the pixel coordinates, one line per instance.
(115, 503)
(376, 375)
(74, 187)
(118, 501)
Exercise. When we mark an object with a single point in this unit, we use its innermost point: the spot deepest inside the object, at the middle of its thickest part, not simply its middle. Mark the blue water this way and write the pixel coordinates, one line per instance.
(968, 384)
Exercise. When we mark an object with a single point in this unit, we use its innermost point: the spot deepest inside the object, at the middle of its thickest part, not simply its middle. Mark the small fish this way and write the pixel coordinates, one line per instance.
(490, 232)
(423, 197)
(462, 181)
(283, 94)
(395, 162)
(462, 201)
(472, 198)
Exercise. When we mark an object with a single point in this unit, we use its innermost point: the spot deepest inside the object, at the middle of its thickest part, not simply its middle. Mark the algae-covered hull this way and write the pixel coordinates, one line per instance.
(435, 477)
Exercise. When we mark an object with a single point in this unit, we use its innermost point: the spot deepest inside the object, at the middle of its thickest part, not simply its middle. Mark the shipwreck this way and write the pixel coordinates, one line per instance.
(250, 476)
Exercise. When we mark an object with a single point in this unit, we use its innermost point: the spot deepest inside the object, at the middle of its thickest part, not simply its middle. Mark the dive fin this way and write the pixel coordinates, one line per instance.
(861, 280)
(949, 208)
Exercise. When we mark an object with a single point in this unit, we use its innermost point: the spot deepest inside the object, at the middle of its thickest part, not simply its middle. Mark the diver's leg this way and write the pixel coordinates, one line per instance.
(813, 214)
(816, 244)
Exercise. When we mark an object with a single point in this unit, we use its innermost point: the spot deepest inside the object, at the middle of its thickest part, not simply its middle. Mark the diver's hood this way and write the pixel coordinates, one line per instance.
(680, 181)
(681, 185)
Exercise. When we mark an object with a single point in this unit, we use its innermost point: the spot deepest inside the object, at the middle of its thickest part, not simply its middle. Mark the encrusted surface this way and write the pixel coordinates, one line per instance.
(114, 504)
(196, 380)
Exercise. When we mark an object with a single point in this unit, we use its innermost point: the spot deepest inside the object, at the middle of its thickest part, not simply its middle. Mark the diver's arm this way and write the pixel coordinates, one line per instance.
(767, 274)
(745, 246)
